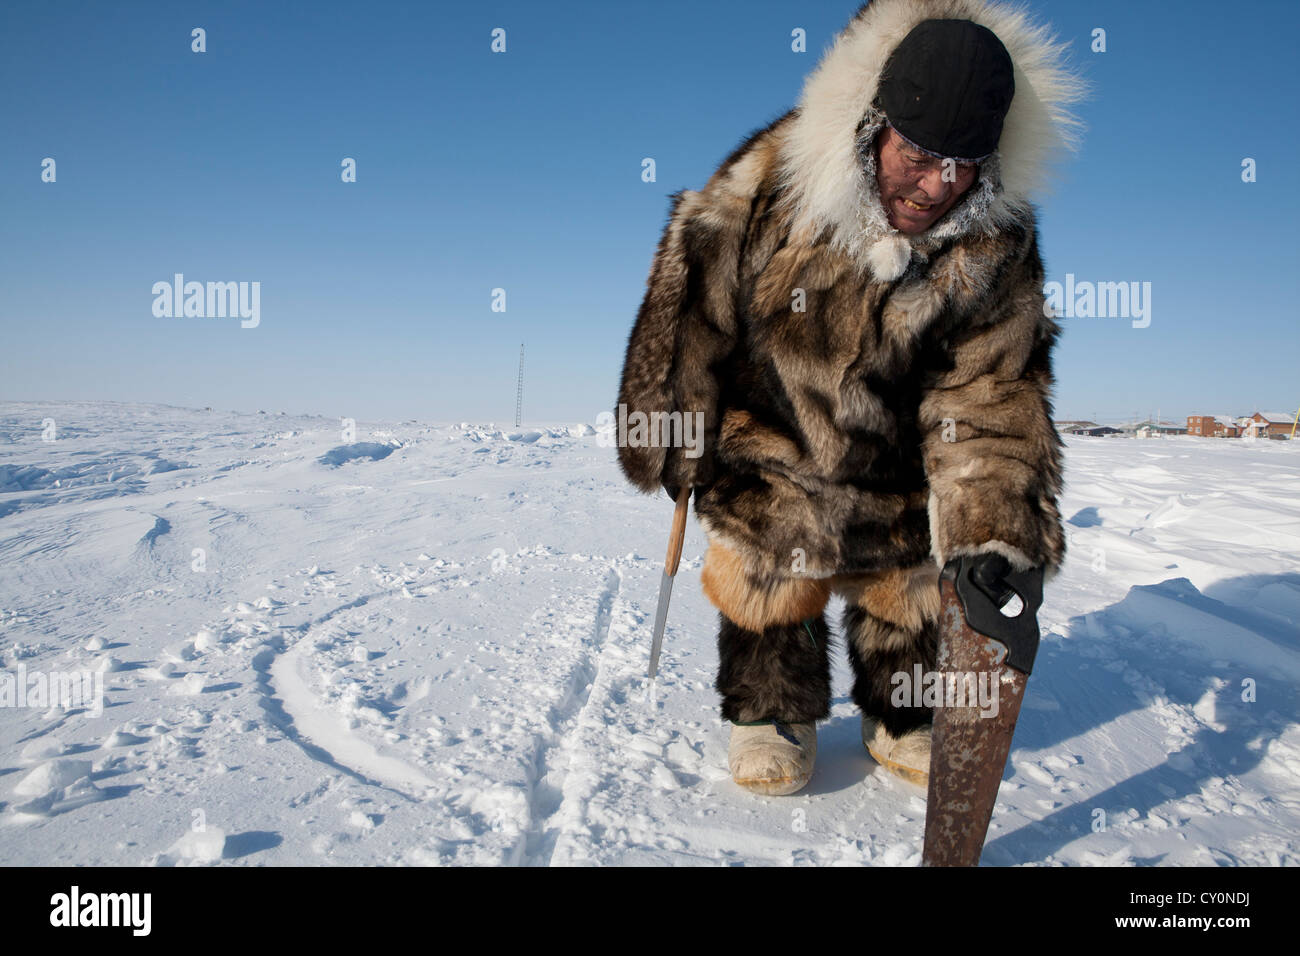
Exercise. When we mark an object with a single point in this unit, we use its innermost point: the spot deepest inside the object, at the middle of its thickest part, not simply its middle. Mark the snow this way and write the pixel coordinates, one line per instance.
(426, 644)
(54, 775)
(205, 845)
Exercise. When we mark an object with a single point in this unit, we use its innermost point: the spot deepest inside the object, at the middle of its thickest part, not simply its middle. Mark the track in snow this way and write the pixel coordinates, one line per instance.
(554, 755)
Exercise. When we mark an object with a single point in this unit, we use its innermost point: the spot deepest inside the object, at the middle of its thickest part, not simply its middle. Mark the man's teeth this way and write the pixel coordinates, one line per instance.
(912, 205)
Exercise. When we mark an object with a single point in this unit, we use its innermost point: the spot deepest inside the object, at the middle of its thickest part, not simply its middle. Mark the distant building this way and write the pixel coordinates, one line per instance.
(1085, 428)
(1213, 426)
(1070, 427)
(1157, 429)
(1269, 425)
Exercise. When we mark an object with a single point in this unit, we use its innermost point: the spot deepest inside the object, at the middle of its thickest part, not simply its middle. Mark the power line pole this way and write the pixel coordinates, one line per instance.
(519, 388)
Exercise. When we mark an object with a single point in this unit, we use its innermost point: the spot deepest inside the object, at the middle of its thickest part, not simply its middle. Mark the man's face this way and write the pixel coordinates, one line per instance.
(912, 185)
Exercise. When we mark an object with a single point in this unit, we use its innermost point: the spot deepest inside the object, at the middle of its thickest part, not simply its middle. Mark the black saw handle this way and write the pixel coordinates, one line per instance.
(984, 610)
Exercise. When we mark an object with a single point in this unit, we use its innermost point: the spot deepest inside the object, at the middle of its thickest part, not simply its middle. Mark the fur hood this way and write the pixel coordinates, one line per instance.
(827, 166)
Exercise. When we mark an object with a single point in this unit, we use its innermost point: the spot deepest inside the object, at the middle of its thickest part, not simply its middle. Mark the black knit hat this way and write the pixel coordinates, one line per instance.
(947, 88)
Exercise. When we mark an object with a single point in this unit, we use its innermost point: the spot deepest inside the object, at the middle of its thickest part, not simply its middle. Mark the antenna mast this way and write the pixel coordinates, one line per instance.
(519, 388)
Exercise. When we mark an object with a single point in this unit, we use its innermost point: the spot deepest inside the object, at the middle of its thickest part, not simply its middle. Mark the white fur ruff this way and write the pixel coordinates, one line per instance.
(822, 166)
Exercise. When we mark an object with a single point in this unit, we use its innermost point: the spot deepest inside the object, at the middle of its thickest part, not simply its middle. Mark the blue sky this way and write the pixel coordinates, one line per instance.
(522, 171)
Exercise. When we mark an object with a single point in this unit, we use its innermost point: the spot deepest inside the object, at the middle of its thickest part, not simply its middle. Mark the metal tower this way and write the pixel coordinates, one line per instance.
(519, 388)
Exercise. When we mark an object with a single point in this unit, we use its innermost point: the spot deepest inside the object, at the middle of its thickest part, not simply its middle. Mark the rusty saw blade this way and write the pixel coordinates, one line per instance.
(970, 744)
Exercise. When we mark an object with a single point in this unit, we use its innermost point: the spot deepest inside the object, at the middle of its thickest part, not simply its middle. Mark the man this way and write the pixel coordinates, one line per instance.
(854, 305)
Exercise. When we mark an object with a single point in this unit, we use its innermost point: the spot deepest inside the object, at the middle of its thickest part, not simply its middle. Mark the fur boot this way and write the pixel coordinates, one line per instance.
(775, 685)
(891, 625)
(772, 757)
(781, 673)
(907, 756)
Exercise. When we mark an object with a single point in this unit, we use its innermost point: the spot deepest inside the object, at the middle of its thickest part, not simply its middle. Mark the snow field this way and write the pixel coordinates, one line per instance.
(427, 645)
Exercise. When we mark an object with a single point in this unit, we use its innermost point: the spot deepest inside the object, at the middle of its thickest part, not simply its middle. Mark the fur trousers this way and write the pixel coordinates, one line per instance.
(773, 639)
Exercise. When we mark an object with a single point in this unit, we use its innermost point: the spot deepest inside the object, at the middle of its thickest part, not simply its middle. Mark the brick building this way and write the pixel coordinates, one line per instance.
(1270, 425)
(1213, 426)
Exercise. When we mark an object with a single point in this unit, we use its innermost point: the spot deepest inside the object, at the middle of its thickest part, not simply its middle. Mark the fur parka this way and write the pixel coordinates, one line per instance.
(867, 399)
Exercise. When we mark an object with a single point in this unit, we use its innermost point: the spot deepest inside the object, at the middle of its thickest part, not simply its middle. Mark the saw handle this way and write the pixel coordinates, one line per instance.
(983, 610)
(678, 534)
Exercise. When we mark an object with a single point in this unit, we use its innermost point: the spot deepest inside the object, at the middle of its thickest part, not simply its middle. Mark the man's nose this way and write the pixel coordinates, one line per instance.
(933, 185)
